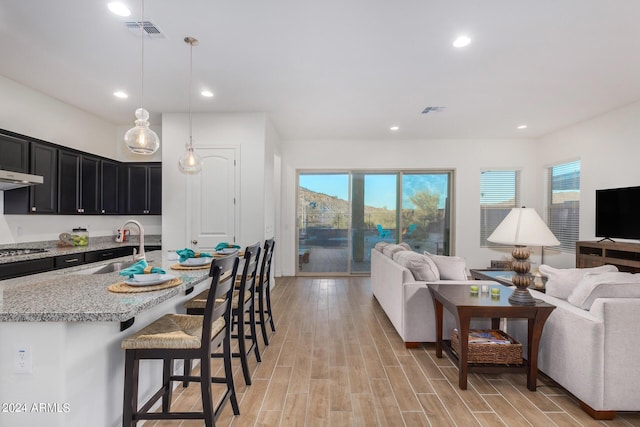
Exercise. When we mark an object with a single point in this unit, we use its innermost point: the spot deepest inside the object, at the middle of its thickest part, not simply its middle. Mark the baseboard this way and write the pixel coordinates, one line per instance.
(595, 414)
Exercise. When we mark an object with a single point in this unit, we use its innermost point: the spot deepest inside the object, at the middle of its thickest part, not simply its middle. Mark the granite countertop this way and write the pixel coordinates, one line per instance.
(68, 295)
(95, 244)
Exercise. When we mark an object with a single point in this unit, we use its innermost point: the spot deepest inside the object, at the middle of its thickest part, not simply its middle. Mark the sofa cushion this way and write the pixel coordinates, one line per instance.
(450, 267)
(561, 281)
(380, 245)
(604, 285)
(421, 266)
(389, 250)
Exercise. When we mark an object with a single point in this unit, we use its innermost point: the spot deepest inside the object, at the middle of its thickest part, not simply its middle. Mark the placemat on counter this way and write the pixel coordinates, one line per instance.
(190, 267)
(122, 287)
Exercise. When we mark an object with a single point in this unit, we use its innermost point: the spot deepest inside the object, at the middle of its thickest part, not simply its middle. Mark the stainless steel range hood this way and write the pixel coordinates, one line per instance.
(10, 180)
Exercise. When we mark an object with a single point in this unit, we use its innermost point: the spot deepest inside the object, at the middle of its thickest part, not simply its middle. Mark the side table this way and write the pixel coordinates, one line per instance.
(459, 301)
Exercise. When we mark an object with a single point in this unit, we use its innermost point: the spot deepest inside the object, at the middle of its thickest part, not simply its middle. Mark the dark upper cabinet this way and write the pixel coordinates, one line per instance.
(78, 183)
(44, 161)
(41, 198)
(144, 189)
(14, 153)
(110, 187)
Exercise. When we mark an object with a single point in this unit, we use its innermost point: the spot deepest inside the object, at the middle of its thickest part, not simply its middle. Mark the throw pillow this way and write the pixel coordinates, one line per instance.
(604, 285)
(561, 281)
(389, 250)
(380, 245)
(421, 266)
(450, 267)
(405, 245)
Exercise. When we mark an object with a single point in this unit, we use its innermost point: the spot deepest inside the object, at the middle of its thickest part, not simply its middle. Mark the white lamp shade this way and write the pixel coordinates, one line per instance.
(523, 227)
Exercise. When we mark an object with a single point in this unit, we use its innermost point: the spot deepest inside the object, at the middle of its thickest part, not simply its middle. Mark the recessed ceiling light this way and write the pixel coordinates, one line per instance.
(206, 93)
(118, 8)
(394, 128)
(120, 94)
(461, 41)
(522, 127)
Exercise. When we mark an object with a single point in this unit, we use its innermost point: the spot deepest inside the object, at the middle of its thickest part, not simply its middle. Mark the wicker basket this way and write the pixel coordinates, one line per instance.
(502, 354)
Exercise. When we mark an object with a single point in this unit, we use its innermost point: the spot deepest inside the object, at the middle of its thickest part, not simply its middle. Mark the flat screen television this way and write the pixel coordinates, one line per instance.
(618, 213)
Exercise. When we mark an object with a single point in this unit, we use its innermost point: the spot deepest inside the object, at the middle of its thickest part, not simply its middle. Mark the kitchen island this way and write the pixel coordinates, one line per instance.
(71, 325)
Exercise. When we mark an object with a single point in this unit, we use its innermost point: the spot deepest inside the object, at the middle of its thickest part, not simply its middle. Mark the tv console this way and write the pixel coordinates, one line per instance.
(625, 256)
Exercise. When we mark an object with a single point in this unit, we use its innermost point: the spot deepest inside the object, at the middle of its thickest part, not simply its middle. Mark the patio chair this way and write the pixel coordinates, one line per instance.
(382, 232)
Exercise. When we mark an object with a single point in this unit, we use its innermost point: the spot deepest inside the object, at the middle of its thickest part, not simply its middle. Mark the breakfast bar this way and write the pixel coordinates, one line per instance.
(60, 332)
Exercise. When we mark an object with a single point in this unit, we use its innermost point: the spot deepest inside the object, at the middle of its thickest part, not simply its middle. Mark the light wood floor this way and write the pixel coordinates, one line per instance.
(336, 360)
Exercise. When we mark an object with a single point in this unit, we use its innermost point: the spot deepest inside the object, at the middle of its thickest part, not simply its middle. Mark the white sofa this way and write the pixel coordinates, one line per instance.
(407, 301)
(591, 342)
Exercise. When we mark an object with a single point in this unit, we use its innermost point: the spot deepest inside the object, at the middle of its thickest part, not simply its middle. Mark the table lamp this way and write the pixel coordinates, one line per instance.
(522, 227)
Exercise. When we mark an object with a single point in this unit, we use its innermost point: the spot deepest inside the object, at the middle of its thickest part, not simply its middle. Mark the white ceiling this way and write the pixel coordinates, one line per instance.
(338, 68)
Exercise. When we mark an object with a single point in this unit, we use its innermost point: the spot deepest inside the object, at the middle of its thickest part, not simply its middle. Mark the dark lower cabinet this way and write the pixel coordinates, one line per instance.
(64, 261)
(23, 268)
(96, 256)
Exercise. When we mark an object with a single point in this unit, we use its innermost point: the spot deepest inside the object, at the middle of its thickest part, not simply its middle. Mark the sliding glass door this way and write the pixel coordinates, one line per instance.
(426, 211)
(342, 215)
(373, 215)
(323, 222)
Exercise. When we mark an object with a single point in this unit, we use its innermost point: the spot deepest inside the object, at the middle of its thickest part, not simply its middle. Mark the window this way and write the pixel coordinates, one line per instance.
(499, 193)
(564, 203)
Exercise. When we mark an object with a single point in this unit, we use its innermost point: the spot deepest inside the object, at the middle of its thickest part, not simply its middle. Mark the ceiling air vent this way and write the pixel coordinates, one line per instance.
(149, 28)
(433, 110)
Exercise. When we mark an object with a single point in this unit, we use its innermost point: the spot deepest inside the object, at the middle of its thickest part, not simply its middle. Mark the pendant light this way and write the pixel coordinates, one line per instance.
(140, 139)
(190, 162)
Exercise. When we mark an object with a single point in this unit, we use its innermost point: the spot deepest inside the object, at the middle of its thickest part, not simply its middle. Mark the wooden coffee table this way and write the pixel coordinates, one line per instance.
(459, 301)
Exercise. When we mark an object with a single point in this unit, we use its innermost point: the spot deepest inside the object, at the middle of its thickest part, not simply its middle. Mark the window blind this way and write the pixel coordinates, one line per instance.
(564, 204)
(499, 193)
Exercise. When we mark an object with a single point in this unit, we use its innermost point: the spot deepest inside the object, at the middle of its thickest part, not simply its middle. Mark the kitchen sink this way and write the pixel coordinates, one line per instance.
(114, 266)
(106, 268)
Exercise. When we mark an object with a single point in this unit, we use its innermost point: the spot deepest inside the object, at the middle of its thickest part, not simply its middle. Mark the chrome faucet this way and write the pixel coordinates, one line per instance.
(139, 255)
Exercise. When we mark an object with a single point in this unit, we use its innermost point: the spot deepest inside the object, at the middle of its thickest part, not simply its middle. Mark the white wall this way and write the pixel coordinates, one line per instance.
(243, 130)
(466, 157)
(609, 150)
(29, 112)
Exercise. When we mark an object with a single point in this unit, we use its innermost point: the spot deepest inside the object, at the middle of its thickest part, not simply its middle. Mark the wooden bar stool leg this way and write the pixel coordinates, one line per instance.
(226, 352)
(263, 325)
(242, 349)
(186, 371)
(167, 370)
(205, 385)
(269, 313)
(254, 335)
(130, 405)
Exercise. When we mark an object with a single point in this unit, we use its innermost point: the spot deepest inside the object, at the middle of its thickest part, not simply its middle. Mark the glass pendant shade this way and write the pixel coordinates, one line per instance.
(190, 162)
(140, 139)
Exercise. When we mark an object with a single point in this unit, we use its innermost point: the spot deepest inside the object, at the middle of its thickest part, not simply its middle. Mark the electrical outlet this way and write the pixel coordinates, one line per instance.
(23, 360)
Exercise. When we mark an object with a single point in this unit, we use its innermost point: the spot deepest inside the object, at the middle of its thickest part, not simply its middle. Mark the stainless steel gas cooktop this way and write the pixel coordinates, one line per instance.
(4, 252)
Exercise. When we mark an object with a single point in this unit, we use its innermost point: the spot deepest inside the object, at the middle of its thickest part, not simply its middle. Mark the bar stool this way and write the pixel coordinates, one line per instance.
(184, 336)
(242, 304)
(263, 290)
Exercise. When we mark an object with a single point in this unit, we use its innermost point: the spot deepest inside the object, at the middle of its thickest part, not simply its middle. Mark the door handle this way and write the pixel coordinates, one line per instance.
(195, 242)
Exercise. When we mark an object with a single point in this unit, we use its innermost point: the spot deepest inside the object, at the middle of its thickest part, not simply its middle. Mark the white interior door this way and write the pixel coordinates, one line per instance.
(213, 209)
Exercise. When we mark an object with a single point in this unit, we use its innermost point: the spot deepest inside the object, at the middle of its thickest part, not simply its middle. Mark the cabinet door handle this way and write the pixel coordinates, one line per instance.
(71, 260)
(33, 208)
(195, 242)
(107, 255)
